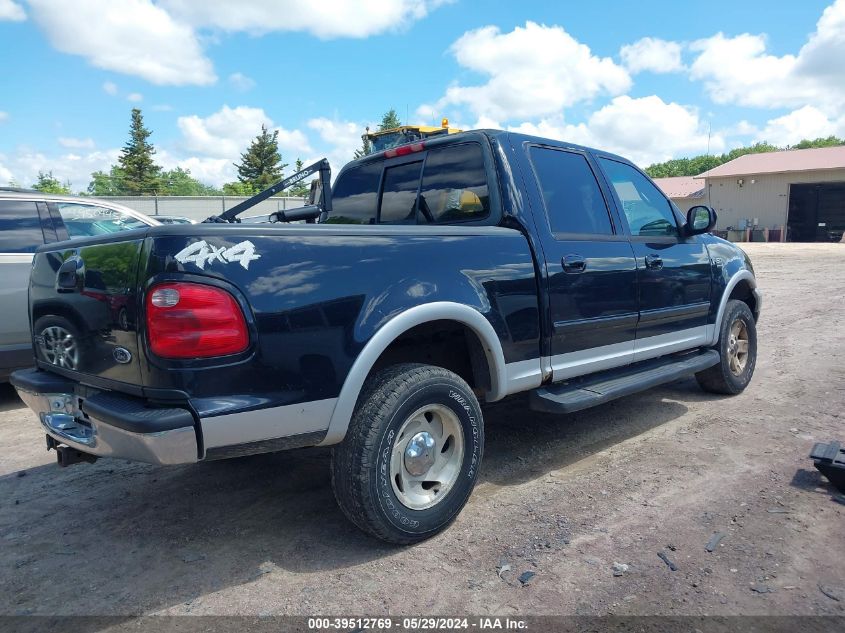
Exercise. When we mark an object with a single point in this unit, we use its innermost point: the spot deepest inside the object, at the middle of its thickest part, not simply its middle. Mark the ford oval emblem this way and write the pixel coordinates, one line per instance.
(122, 355)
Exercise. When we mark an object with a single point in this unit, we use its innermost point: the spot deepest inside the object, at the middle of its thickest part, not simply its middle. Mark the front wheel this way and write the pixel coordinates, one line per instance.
(411, 454)
(737, 351)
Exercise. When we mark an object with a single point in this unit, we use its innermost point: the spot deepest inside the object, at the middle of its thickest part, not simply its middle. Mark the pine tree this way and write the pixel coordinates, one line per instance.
(301, 188)
(366, 147)
(50, 184)
(261, 164)
(141, 174)
(389, 121)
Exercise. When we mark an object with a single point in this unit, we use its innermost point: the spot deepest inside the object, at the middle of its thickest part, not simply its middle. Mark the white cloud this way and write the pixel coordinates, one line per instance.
(110, 88)
(135, 97)
(4, 116)
(739, 70)
(805, 123)
(535, 70)
(228, 132)
(652, 54)
(76, 143)
(6, 177)
(325, 19)
(241, 82)
(134, 37)
(645, 130)
(24, 164)
(11, 11)
(341, 139)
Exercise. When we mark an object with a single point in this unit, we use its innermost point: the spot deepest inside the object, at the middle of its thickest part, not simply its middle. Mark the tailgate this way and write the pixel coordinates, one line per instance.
(84, 309)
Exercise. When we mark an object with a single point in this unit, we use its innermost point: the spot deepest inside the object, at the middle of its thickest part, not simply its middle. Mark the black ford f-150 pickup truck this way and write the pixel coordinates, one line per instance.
(463, 269)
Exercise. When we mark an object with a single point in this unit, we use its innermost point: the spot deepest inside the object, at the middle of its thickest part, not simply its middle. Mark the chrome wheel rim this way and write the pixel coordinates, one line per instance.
(738, 347)
(426, 457)
(59, 347)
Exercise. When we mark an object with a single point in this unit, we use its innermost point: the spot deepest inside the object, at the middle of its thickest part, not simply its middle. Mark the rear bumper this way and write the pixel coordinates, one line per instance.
(107, 424)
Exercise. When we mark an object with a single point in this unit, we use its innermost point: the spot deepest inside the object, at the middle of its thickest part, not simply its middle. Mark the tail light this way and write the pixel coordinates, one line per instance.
(188, 320)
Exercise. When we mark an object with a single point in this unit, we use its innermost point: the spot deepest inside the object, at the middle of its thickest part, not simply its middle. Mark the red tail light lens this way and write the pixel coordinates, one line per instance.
(187, 320)
(404, 150)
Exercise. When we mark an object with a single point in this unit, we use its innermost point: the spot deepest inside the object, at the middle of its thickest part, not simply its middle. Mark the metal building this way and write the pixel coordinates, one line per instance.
(801, 190)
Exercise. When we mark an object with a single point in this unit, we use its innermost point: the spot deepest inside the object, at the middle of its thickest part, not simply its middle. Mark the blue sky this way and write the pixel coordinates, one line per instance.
(650, 80)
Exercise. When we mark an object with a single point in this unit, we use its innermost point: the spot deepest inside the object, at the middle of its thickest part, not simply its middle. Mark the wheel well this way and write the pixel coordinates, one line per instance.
(448, 344)
(742, 292)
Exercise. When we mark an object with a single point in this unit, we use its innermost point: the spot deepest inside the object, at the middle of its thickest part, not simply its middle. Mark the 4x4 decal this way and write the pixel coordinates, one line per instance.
(201, 254)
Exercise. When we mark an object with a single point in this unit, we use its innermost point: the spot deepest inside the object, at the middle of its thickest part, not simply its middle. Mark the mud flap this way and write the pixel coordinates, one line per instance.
(829, 459)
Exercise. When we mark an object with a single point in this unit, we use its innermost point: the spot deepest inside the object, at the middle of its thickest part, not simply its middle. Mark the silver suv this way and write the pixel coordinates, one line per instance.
(29, 219)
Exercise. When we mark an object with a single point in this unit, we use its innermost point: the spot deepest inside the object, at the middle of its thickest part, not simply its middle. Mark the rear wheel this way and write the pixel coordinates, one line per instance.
(411, 454)
(58, 342)
(737, 351)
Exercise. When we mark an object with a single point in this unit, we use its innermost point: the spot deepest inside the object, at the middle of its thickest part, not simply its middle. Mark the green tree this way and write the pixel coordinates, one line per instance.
(301, 188)
(699, 164)
(389, 120)
(48, 184)
(830, 141)
(366, 147)
(140, 173)
(107, 184)
(238, 188)
(261, 164)
(180, 182)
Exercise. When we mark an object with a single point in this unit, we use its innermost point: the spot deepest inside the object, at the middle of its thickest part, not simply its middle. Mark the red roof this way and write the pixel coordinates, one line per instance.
(779, 162)
(681, 187)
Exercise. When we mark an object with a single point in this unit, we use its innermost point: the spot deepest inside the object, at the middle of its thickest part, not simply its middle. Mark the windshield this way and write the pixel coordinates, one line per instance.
(394, 139)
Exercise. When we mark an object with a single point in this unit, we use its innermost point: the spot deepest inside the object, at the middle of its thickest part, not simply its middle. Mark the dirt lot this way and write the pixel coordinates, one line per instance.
(564, 497)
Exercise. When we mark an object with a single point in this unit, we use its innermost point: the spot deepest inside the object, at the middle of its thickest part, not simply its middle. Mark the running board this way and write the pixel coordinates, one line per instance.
(589, 391)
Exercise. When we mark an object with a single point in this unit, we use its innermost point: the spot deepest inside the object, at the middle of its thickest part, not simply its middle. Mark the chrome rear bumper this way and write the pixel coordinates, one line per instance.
(62, 419)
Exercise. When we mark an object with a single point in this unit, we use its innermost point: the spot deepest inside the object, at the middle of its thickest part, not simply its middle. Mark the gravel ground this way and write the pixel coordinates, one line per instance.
(563, 497)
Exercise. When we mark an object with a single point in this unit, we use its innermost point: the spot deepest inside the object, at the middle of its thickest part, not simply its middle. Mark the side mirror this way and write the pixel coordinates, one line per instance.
(700, 219)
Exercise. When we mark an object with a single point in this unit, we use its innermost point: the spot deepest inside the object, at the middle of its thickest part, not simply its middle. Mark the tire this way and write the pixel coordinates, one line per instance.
(733, 372)
(58, 342)
(376, 476)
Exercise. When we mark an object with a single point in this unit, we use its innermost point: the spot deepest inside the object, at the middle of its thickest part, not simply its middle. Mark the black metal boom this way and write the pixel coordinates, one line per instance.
(321, 165)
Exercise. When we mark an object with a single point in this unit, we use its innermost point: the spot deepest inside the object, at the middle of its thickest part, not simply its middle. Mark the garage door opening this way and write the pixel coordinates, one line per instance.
(816, 212)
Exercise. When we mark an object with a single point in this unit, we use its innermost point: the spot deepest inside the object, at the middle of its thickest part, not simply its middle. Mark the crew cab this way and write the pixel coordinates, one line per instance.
(440, 275)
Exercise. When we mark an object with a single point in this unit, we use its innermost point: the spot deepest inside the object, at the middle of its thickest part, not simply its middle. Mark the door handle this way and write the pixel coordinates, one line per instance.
(573, 264)
(653, 262)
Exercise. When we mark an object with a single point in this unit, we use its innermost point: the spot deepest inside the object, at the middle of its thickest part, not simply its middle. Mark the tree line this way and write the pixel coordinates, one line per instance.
(137, 174)
(699, 164)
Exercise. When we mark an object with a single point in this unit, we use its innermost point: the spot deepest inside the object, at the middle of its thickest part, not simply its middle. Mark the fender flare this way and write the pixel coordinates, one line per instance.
(742, 275)
(390, 331)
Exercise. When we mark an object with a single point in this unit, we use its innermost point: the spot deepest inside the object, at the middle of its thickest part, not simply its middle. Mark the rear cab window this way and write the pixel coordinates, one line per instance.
(444, 185)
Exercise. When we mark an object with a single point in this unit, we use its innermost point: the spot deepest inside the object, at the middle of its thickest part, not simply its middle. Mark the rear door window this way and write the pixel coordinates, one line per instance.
(20, 227)
(355, 195)
(571, 194)
(454, 185)
(85, 220)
